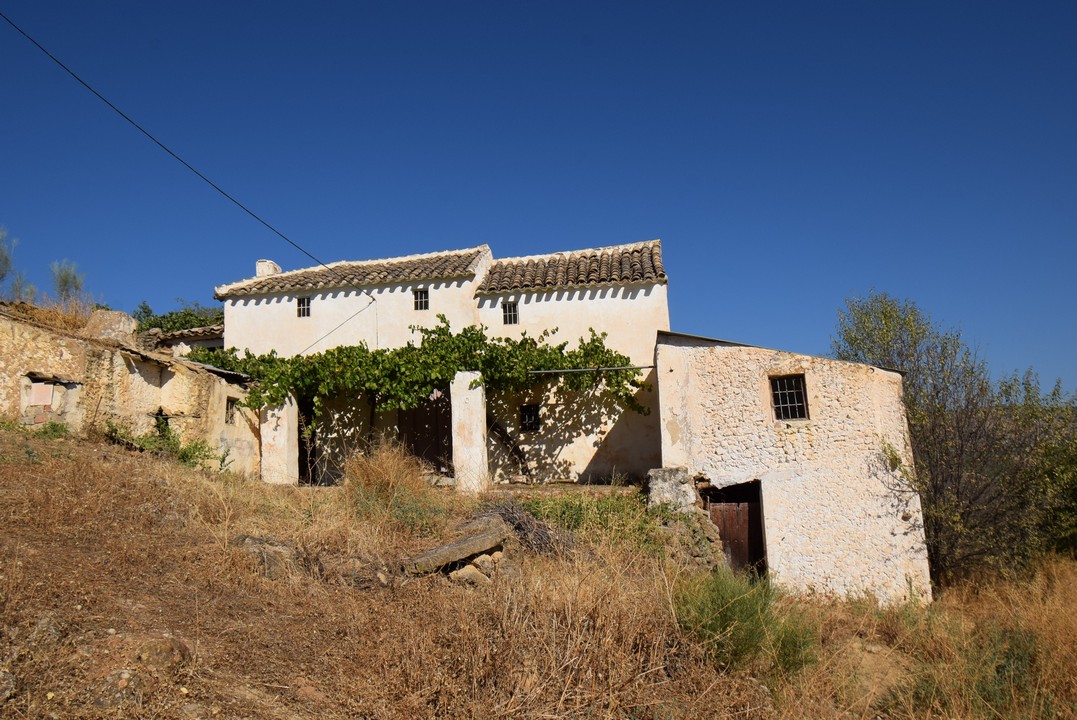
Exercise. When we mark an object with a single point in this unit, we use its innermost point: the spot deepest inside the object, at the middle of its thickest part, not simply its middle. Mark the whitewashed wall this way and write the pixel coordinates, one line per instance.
(620, 443)
(837, 518)
(381, 316)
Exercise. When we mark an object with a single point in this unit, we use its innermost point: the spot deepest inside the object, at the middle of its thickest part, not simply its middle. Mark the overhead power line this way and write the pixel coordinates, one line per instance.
(168, 150)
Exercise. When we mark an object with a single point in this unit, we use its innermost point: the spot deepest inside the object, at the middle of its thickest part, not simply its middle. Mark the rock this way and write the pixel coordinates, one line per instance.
(164, 654)
(276, 558)
(110, 325)
(120, 687)
(672, 487)
(485, 564)
(7, 686)
(469, 575)
(480, 534)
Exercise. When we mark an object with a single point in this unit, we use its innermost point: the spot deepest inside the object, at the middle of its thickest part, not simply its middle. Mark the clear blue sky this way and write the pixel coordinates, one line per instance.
(788, 154)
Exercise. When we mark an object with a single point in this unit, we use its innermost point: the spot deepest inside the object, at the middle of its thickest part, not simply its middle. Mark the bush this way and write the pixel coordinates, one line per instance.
(616, 519)
(387, 485)
(166, 442)
(52, 430)
(737, 621)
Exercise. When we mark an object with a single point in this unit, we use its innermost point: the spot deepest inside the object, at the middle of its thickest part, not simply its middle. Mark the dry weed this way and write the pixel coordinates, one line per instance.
(103, 549)
(67, 314)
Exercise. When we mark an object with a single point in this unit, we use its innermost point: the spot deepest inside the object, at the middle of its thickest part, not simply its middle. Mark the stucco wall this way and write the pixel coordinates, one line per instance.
(581, 438)
(629, 315)
(269, 322)
(837, 517)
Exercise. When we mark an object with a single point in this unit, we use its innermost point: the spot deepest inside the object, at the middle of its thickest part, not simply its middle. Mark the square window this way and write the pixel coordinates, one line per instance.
(422, 299)
(230, 411)
(529, 418)
(302, 307)
(510, 312)
(790, 397)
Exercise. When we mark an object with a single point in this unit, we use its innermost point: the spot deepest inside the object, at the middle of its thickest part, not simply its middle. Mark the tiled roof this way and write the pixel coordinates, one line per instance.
(617, 264)
(199, 333)
(431, 266)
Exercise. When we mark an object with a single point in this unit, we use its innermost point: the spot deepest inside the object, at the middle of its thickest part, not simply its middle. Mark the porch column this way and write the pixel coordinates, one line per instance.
(470, 464)
(280, 444)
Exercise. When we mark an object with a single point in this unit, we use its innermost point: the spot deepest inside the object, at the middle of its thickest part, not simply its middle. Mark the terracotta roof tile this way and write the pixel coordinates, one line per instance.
(431, 266)
(635, 263)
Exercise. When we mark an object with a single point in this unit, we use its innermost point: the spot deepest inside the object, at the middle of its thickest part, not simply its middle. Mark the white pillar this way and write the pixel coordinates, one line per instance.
(280, 444)
(469, 459)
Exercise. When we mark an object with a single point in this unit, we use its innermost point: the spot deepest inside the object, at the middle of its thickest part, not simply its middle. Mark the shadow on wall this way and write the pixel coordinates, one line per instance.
(902, 497)
(577, 436)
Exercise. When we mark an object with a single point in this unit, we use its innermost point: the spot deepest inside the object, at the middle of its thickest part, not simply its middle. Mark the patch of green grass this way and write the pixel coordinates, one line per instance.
(618, 519)
(51, 431)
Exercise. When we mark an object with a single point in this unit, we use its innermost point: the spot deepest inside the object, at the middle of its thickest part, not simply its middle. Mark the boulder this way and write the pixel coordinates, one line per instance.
(276, 558)
(111, 325)
(479, 535)
(164, 654)
(673, 487)
(469, 575)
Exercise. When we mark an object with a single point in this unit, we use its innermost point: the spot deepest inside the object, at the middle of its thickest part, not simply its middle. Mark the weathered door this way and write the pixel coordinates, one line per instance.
(426, 431)
(732, 522)
(737, 512)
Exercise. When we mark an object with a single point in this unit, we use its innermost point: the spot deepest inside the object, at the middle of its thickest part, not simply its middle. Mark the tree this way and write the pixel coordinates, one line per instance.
(66, 280)
(189, 315)
(992, 463)
(6, 250)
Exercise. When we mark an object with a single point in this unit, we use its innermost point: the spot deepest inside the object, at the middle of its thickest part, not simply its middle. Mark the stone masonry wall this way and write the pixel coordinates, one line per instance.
(94, 381)
(837, 518)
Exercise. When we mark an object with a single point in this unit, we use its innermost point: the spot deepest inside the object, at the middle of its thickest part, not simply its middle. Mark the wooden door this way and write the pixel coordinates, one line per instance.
(426, 431)
(732, 520)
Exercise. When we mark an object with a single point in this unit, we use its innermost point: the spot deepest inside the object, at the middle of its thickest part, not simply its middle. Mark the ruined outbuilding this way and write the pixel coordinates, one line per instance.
(88, 379)
(799, 460)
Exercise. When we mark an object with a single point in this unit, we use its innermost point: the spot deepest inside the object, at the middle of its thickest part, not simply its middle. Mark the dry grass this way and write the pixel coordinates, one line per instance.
(99, 539)
(1005, 648)
(68, 315)
(103, 549)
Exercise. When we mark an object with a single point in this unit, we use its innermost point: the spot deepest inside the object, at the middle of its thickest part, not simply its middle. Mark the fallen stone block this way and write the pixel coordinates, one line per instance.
(480, 535)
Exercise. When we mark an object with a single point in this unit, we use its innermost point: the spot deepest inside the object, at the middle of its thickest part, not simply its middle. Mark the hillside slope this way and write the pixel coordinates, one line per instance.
(122, 594)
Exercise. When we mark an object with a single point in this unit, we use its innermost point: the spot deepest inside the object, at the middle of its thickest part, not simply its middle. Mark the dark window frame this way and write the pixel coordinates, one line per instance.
(530, 417)
(302, 306)
(420, 298)
(510, 312)
(230, 405)
(789, 397)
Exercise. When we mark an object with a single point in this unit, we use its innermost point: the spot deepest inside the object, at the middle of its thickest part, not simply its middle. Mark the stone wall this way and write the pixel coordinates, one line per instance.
(837, 516)
(50, 376)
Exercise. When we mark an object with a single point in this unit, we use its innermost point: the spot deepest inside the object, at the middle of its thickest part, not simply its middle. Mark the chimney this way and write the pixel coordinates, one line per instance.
(265, 268)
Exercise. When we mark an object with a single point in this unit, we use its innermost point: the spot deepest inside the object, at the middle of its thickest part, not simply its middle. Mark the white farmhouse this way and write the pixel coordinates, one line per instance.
(619, 290)
(797, 459)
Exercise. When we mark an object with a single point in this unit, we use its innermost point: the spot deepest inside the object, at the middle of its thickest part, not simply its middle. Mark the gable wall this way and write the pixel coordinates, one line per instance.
(837, 518)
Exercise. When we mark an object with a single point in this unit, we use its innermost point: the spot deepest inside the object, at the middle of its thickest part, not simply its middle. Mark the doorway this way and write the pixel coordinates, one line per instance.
(426, 431)
(737, 511)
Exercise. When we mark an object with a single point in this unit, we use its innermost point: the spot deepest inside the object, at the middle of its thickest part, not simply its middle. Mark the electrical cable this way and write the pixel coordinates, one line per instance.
(168, 150)
(349, 319)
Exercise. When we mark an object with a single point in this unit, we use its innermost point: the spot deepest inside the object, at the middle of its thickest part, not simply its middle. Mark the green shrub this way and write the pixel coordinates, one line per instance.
(618, 519)
(52, 430)
(738, 622)
(166, 442)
